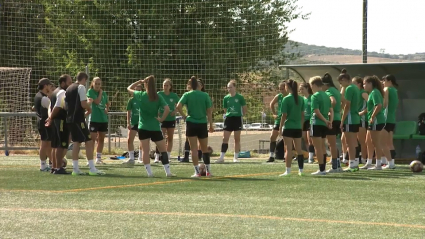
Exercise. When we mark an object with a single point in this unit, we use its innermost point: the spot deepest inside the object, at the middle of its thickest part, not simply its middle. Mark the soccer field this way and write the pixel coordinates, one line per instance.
(244, 200)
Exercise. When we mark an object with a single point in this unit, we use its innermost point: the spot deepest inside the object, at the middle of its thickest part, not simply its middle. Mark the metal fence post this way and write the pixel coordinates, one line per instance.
(109, 133)
(6, 151)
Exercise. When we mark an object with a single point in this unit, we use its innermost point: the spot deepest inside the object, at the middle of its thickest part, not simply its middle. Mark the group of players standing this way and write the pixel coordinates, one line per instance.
(362, 110)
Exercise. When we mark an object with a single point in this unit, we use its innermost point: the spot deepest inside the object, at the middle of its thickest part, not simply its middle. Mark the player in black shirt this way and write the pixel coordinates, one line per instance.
(77, 109)
(44, 90)
(57, 120)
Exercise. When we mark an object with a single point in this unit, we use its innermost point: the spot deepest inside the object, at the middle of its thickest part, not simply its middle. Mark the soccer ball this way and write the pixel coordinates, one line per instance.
(202, 170)
(210, 150)
(45, 102)
(416, 166)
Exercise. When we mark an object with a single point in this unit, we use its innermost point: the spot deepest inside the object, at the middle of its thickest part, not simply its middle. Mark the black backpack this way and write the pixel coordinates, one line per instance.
(280, 149)
(421, 124)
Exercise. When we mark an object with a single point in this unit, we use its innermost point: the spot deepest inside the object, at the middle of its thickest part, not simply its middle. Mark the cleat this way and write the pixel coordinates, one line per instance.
(77, 173)
(52, 171)
(209, 175)
(140, 161)
(61, 171)
(219, 161)
(150, 176)
(286, 174)
(352, 170)
(271, 160)
(366, 166)
(156, 161)
(311, 161)
(389, 167)
(235, 160)
(331, 170)
(100, 162)
(185, 160)
(96, 173)
(170, 175)
(196, 175)
(46, 169)
(375, 168)
(301, 174)
(319, 173)
(128, 162)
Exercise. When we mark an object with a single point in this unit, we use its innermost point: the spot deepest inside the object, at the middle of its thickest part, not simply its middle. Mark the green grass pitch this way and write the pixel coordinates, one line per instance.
(244, 200)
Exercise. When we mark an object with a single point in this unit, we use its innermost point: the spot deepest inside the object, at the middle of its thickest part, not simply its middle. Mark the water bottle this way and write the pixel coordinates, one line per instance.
(418, 151)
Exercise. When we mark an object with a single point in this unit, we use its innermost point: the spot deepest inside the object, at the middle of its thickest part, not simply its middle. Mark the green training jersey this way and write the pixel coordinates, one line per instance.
(321, 101)
(332, 91)
(352, 95)
(307, 108)
(279, 106)
(171, 99)
(148, 111)
(197, 103)
(392, 105)
(375, 98)
(233, 105)
(98, 113)
(293, 111)
(133, 107)
(362, 105)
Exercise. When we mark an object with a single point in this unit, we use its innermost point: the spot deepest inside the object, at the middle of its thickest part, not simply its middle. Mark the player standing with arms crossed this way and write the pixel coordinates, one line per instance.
(277, 117)
(235, 108)
(199, 113)
(149, 122)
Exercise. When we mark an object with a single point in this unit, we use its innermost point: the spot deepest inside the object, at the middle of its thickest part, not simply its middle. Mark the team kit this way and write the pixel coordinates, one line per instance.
(362, 113)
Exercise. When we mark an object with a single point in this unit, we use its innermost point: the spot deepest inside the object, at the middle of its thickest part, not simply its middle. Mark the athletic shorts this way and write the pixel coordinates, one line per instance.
(135, 127)
(168, 124)
(155, 136)
(389, 127)
(306, 125)
(376, 127)
(276, 127)
(98, 127)
(318, 131)
(199, 130)
(46, 133)
(353, 128)
(79, 132)
(233, 123)
(364, 124)
(292, 133)
(335, 128)
(60, 137)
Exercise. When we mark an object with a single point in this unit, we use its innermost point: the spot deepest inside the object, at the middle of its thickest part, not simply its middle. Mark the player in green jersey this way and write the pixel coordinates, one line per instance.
(277, 116)
(376, 119)
(390, 104)
(291, 125)
(234, 108)
(361, 135)
(320, 121)
(133, 112)
(149, 122)
(98, 120)
(305, 90)
(335, 97)
(350, 120)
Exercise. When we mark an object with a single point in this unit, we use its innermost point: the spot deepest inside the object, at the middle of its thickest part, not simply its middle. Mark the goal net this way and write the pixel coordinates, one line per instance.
(124, 41)
(18, 131)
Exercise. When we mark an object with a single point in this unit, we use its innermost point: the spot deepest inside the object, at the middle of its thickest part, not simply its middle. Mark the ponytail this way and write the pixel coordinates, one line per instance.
(294, 88)
(308, 87)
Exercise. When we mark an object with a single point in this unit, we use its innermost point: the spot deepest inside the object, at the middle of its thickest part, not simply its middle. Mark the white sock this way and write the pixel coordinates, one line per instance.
(391, 162)
(140, 154)
(272, 154)
(131, 153)
(98, 156)
(75, 167)
(378, 163)
(352, 163)
(236, 155)
(300, 170)
(167, 168)
(169, 155)
(43, 164)
(91, 165)
(369, 162)
(356, 162)
(196, 169)
(310, 156)
(148, 169)
(383, 160)
(343, 157)
(288, 170)
(222, 155)
(208, 168)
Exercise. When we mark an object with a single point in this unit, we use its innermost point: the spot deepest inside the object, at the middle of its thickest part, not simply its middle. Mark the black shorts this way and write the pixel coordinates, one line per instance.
(46, 133)
(353, 128)
(79, 132)
(318, 131)
(199, 130)
(292, 133)
(276, 127)
(155, 136)
(389, 127)
(60, 137)
(364, 124)
(135, 127)
(233, 123)
(376, 127)
(98, 127)
(168, 124)
(306, 125)
(335, 128)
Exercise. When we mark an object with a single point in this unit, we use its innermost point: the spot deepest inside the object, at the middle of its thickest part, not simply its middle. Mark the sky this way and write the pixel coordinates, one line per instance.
(393, 25)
